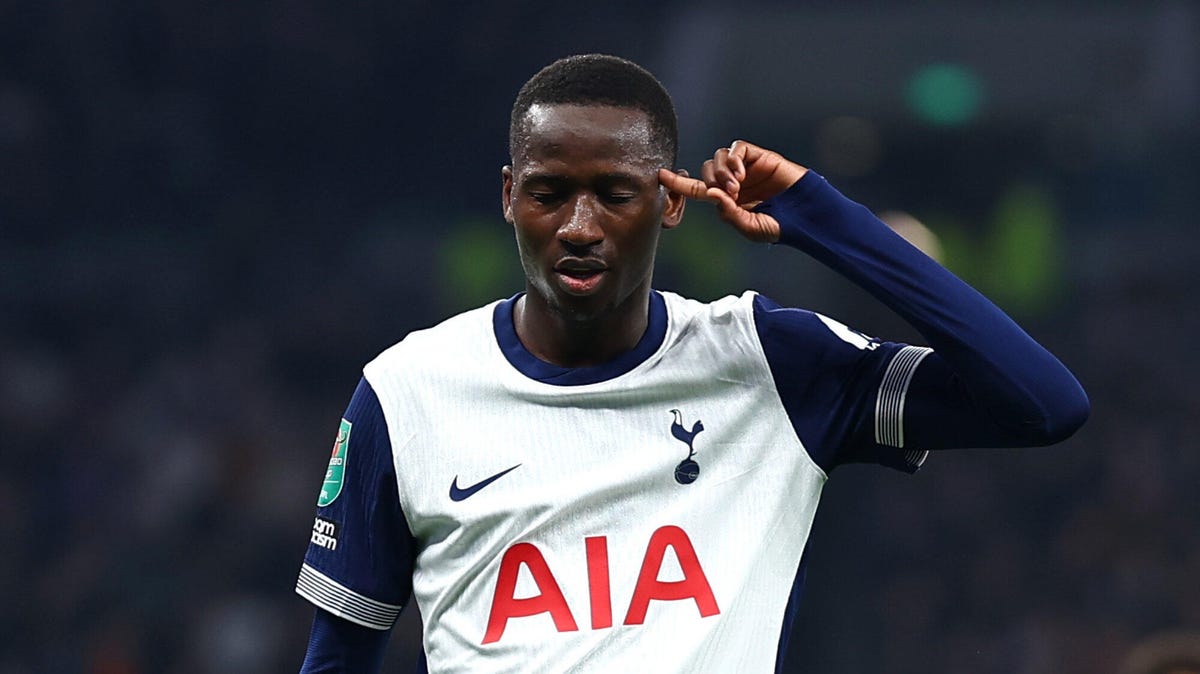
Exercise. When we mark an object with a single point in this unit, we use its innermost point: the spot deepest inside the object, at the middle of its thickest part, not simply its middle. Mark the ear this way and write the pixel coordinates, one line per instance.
(506, 177)
(673, 209)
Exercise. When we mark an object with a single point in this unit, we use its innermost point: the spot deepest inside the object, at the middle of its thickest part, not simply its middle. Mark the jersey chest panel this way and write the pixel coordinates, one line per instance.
(689, 454)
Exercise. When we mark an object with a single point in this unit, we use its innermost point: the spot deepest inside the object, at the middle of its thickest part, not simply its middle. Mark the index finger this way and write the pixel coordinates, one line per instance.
(688, 187)
(745, 151)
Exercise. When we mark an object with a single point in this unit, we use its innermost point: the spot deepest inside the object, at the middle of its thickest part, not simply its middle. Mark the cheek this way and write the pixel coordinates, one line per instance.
(529, 247)
(524, 249)
(642, 242)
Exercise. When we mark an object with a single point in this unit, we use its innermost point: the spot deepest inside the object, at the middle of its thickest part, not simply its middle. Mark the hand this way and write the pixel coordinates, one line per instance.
(737, 179)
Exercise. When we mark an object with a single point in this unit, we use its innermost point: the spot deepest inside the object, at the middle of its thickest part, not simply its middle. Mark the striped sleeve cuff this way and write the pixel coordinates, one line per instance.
(343, 602)
(913, 459)
(889, 405)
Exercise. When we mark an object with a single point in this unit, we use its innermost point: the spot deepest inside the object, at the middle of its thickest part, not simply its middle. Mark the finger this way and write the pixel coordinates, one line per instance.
(746, 152)
(708, 173)
(727, 208)
(753, 155)
(769, 168)
(753, 226)
(723, 174)
(681, 184)
(737, 158)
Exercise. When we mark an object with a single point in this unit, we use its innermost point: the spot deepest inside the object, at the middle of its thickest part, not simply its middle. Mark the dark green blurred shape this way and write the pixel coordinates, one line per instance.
(1017, 260)
(700, 258)
(1026, 250)
(478, 263)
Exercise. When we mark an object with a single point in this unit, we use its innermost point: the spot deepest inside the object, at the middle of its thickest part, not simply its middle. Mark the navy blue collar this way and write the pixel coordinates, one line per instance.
(533, 367)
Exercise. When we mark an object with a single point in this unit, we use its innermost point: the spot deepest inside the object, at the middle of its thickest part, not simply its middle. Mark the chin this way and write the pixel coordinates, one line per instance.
(580, 309)
(572, 308)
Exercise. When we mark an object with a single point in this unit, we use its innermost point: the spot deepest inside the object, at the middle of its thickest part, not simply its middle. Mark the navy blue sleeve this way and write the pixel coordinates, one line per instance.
(360, 556)
(986, 383)
(338, 646)
(829, 379)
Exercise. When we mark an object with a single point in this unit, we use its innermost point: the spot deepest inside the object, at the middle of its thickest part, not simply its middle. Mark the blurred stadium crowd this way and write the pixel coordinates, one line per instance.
(212, 215)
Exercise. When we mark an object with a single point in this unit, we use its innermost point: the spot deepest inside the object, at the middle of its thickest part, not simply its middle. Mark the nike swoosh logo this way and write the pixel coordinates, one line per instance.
(459, 494)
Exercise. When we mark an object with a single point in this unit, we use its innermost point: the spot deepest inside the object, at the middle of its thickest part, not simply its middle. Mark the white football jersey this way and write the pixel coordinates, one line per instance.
(647, 517)
(598, 462)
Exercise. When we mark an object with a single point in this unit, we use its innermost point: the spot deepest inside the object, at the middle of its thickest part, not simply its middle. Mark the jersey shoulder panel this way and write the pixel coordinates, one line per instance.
(453, 349)
(452, 340)
(728, 321)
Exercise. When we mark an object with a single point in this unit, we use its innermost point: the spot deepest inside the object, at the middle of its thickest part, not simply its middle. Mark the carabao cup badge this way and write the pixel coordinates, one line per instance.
(336, 473)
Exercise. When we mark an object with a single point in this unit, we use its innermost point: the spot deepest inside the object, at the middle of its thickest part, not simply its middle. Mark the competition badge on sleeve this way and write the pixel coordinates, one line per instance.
(336, 473)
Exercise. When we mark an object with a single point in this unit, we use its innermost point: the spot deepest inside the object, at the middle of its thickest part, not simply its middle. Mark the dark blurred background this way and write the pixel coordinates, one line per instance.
(213, 213)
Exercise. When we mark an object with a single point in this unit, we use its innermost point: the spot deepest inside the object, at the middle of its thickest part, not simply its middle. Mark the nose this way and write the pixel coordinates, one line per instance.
(582, 229)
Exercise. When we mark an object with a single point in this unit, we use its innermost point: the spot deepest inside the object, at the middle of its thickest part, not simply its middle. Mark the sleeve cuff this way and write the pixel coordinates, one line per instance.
(326, 593)
(889, 405)
(792, 200)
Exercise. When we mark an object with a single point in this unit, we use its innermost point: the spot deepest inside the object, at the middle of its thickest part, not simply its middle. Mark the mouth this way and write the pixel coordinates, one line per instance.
(580, 276)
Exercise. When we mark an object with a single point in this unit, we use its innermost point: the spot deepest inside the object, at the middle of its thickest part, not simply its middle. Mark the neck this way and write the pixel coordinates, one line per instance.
(569, 341)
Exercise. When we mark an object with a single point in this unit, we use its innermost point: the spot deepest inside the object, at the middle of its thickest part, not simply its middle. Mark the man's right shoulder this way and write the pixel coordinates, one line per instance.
(460, 336)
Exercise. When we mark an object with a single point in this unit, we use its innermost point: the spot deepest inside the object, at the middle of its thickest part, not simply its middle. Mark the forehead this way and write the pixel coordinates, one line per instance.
(587, 133)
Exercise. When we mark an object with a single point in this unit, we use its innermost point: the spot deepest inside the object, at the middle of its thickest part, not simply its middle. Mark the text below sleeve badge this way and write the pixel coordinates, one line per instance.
(336, 473)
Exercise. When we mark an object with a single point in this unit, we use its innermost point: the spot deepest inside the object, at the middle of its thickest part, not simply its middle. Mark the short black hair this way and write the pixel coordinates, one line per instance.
(598, 79)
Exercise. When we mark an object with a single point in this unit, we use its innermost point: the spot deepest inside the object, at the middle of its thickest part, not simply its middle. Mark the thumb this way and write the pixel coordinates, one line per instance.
(754, 226)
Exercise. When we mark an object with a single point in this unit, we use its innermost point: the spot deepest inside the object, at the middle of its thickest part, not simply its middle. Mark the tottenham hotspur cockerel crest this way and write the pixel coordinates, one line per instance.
(688, 470)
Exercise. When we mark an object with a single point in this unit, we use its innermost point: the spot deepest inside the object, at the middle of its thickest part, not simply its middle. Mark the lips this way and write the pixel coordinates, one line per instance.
(580, 276)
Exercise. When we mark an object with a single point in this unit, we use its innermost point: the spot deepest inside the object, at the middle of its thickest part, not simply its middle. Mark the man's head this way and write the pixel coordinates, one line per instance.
(597, 80)
(588, 136)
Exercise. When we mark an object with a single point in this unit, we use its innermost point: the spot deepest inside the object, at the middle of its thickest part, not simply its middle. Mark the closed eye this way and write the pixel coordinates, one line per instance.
(619, 198)
(545, 197)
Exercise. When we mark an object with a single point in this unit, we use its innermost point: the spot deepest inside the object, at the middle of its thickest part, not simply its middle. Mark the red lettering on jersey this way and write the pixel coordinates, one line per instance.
(598, 590)
(505, 605)
(694, 583)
